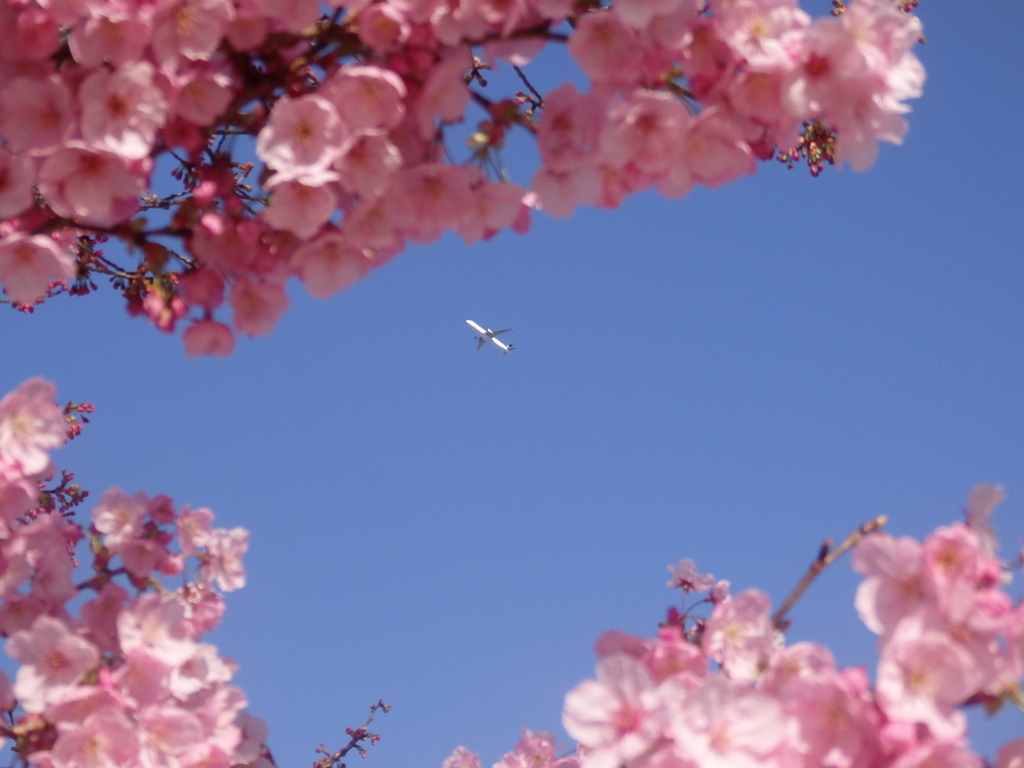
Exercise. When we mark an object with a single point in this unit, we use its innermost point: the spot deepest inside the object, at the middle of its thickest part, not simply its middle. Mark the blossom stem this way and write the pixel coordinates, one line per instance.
(826, 556)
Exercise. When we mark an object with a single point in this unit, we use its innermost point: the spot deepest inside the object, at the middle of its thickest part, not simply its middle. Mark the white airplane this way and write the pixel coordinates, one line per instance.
(486, 334)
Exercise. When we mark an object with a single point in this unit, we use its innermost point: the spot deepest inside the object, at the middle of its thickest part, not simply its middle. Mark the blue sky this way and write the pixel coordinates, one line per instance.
(733, 377)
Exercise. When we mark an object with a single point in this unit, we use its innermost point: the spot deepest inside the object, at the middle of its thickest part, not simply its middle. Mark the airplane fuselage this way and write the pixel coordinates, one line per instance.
(485, 335)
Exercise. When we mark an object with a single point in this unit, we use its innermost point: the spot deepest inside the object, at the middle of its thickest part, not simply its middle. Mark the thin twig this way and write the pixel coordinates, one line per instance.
(528, 84)
(826, 556)
(356, 737)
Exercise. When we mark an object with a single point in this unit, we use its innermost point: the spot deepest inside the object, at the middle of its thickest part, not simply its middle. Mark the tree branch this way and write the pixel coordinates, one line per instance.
(826, 556)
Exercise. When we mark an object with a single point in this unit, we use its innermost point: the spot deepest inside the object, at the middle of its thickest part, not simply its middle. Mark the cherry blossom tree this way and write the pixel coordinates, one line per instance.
(726, 691)
(230, 145)
(113, 671)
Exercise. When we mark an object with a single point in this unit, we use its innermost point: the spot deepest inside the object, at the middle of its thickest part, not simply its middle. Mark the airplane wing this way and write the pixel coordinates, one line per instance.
(503, 330)
(480, 343)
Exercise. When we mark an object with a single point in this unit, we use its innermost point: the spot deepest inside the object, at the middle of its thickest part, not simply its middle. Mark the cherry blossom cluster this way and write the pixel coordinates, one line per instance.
(726, 691)
(125, 120)
(128, 681)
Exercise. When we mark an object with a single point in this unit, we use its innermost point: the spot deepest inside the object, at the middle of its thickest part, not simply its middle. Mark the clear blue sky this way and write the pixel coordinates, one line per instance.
(732, 378)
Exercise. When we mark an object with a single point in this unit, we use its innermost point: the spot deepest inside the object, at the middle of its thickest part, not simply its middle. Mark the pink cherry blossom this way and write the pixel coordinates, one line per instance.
(382, 27)
(607, 49)
(618, 182)
(980, 504)
(461, 758)
(83, 700)
(570, 129)
(673, 657)
(880, 32)
(944, 753)
(534, 750)
(155, 625)
(375, 224)
(18, 494)
(495, 206)
(223, 561)
(141, 556)
(681, 93)
(298, 208)
(105, 739)
(1011, 755)
(766, 33)
(203, 288)
(202, 670)
(922, 677)
(142, 679)
(289, 15)
(367, 97)
(303, 137)
(30, 263)
(52, 660)
(329, 264)
(204, 608)
(723, 726)
(435, 197)
(257, 306)
(615, 717)
(894, 586)
(615, 642)
(792, 666)
(251, 749)
(110, 34)
(836, 719)
(558, 193)
(865, 118)
(640, 13)
(739, 634)
(194, 527)
(189, 29)
(31, 34)
(714, 150)
(99, 615)
(166, 732)
(758, 97)
(444, 95)
(47, 539)
(18, 612)
(218, 712)
(35, 112)
(202, 94)
(91, 185)
(686, 577)
(119, 517)
(227, 244)
(645, 130)
(829, 54)
(953, 554)
(31, 424)
(707, 59)
(208, 337)
(122, 110)
(249, 28)
(17, 177)
(367, 163)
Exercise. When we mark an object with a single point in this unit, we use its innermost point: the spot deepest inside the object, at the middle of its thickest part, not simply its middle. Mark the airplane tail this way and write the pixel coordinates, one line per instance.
(510, 348)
